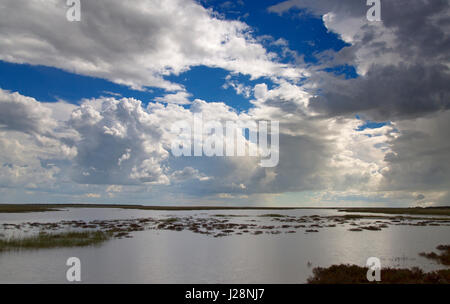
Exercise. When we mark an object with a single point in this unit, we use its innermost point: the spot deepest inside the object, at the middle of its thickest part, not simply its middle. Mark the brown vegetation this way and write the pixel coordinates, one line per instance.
(353, 274)
(443, 258)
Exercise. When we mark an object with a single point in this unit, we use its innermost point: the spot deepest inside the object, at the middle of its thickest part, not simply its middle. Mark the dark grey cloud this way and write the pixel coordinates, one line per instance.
(24, 114)
(387, 93)
(420, 157)
(406, 58)
(422, 28)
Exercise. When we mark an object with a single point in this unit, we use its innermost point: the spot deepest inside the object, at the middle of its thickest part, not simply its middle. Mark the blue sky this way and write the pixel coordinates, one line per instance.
(304, 33)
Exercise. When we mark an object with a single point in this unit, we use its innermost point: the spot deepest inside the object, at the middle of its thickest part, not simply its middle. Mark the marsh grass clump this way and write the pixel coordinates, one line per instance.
(353, 274)
(355, 229)
(170, 220)
(371, 228)
(443, 258)
(272, 215)
(55, 240)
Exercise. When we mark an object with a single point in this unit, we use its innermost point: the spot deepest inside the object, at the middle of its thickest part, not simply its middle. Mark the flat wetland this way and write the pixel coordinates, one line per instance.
(246, 245)
(15, 208)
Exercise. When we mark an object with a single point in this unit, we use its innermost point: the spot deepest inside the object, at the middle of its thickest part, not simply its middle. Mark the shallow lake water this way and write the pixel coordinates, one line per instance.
(164, 256)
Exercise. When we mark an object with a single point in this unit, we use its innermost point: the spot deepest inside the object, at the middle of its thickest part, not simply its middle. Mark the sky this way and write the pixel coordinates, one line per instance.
(87, 107)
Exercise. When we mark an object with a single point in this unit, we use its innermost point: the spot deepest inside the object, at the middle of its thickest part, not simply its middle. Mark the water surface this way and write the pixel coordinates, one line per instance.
(162, 256)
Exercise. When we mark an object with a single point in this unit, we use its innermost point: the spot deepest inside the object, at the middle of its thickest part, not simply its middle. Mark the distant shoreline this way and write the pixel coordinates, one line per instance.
(23, 208)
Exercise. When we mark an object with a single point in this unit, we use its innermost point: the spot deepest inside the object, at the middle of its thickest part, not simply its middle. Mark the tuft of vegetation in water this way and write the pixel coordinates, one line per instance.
(55, 240)
(272, 215)
(170, 220)
(443, 258)
(230, 215)
(355, 229)
(353, 274)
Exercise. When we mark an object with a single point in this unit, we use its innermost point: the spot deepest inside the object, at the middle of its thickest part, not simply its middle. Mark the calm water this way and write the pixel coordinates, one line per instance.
(158, 256)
